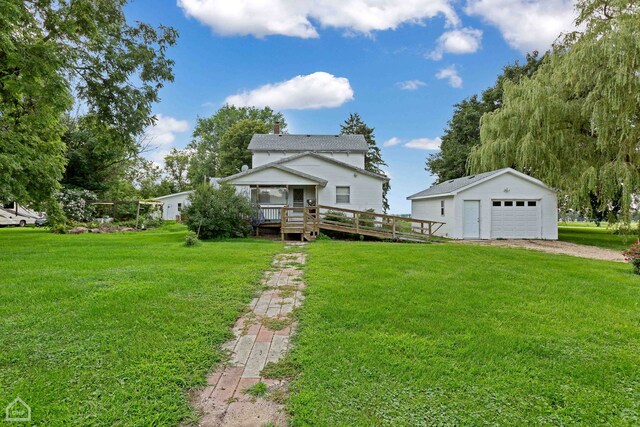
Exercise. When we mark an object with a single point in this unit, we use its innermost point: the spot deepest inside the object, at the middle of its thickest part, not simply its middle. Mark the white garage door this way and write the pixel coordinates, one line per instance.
(515, 219)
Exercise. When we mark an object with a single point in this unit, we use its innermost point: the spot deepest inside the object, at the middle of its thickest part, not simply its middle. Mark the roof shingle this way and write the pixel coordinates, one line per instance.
(453, 184)
(288, 142)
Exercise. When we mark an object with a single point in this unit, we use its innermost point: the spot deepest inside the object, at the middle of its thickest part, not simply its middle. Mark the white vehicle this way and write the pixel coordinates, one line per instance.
(14, 214)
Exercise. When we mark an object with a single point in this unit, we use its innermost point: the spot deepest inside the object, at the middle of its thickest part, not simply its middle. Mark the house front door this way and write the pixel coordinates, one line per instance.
(298, 197)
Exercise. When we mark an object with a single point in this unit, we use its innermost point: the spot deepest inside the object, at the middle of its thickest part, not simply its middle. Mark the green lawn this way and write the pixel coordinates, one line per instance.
(407, 335)
(115, 329)
(594, 236)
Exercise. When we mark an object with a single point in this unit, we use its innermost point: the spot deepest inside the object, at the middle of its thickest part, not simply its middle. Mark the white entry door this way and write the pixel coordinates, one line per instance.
(471, 220)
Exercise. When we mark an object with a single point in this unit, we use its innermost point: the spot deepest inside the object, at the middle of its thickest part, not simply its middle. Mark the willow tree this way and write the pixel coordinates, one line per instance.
(576, 123)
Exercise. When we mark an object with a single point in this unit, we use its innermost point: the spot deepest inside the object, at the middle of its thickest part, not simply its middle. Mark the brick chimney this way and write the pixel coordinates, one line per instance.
(276, 128)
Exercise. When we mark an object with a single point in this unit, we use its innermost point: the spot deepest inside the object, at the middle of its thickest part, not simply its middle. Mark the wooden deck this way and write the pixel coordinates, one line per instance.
(308, 221)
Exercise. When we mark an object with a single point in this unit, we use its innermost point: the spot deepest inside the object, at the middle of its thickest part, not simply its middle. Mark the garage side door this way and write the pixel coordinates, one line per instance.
(515, 219)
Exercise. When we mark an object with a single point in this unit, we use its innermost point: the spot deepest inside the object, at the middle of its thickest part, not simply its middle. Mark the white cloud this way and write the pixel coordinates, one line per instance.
(411, 84)
(451, 74)
(525, 24)
(313, 91)
(392, 142)
(424, 143)
(293, 17)
(163, 133)
(417, 143)
(464, 40)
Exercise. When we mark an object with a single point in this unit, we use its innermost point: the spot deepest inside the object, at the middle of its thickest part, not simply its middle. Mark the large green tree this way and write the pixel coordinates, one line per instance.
(463, 130)
(176, 165)
(234, 152)
(576, 123)
(354, 125)
(52, 51)
(97, 155)
(205, 145)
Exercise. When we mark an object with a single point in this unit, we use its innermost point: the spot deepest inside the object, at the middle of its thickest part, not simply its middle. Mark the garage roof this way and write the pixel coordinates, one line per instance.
(455, 185)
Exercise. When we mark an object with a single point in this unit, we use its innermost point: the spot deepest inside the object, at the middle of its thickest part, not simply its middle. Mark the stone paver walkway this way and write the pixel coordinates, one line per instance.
(261, 336)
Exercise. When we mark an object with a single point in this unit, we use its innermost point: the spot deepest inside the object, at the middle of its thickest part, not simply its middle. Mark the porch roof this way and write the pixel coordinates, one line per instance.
(282, 177)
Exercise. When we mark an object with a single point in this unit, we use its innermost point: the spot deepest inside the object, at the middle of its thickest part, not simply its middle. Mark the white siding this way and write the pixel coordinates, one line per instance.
(518, 189)
(261, 158)
(273, 176)
(170, 205)
(429, 209)
(366, 191)
(507, 186)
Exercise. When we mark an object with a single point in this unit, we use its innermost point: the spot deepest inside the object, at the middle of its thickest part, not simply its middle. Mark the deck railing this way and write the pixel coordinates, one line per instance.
(270, 213)
(310, 220)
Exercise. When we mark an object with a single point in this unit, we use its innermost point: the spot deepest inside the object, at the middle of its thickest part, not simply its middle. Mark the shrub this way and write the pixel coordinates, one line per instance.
(368, 220)
(632, 256)
(336, 216)
(191, 239)
(77, 203)
(218, 212)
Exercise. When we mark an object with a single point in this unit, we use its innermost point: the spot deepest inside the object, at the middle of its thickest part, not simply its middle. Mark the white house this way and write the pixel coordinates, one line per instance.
(173, 204)
(503, 203)
(309, 170)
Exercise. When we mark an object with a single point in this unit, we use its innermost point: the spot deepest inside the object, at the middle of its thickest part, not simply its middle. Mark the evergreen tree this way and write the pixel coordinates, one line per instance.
(373, 159)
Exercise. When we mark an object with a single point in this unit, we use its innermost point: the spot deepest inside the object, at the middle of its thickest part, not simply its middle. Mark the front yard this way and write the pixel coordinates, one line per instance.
(115, 329)
(405, 335)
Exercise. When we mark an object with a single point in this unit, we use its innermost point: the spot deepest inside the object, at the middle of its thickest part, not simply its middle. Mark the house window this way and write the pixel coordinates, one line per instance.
(441, 207)
(179, 207)
(519, 203)
(269, 196)
(343, 194)
(531, 203)
(497, 203)
(508, 203)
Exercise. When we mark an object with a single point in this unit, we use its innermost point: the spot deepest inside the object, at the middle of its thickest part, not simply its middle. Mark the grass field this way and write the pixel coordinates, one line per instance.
(115, 329)
(405, 335)
(594, 236)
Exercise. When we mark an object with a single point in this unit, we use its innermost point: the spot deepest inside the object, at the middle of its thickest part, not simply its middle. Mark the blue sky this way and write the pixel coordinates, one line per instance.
(400, 64)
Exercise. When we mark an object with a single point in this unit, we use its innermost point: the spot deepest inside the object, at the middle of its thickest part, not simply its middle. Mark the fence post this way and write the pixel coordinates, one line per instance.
(430, 234)
(356, 219)
(283, 221)
(393, 222)
(304, 220)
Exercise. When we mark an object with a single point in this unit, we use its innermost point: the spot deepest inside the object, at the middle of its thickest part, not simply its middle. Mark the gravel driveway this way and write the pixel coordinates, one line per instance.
(556, 247)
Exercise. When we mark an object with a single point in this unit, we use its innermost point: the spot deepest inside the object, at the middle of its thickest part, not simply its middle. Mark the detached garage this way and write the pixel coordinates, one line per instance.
(501, 204)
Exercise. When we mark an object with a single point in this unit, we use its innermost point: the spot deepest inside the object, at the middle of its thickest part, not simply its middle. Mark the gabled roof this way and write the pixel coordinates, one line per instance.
(288, 142)
(454, 186)
(173, 195)
(212, 181)
(276, 165)
(279, 165)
